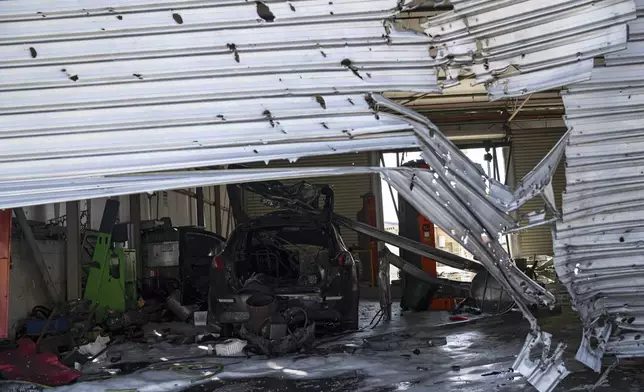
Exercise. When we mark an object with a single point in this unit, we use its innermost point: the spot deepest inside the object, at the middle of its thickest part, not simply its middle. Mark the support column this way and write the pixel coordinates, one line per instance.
(135, 220)
(73, 265)
(5, 256)
(376, 188)
(218, 222)
(200, 213)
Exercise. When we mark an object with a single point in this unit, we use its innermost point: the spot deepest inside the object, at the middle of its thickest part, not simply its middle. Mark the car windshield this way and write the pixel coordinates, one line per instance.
(287, 254)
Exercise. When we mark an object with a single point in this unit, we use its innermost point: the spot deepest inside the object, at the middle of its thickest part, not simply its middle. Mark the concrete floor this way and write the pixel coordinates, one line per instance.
(472, 356)
(476, 357)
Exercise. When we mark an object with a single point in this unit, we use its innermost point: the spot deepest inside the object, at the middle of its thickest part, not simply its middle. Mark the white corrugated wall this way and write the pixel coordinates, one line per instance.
(528, 149)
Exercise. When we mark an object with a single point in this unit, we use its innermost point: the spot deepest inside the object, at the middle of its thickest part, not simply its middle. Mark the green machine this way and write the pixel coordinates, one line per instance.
(111, 280)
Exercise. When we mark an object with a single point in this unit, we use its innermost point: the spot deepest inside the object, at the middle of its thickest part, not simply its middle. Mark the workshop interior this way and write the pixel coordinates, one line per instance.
(341, 195)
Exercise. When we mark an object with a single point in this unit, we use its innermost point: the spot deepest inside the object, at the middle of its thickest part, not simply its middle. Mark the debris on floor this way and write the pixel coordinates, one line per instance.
(421, 349)
(403, 341)
(230, 347)
(24, 363)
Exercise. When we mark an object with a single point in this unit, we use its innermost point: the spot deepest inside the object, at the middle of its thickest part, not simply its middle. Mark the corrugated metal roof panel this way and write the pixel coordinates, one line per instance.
(510, 37)
(34, 9)
(270, 37)
(33, 192)
(88, 165)
(105, 88)
(201, 16)
(234, 87)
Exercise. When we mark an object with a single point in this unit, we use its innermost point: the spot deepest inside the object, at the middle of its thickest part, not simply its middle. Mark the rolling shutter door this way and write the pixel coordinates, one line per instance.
(347, 189)
(528, 149)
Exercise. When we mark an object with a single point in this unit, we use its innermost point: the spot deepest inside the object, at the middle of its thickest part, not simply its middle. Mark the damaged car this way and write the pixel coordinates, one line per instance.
(299, 260)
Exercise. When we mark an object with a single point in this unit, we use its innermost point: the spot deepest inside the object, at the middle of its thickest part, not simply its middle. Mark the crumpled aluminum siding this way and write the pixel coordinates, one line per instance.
(258, 130)
(598, 253)
(524, 46)
(90, 88)
(115, 89)
(467, 204)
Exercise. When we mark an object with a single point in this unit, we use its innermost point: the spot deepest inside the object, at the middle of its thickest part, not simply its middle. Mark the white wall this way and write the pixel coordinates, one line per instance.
(182, 209)
(227, 223)
(26, 289)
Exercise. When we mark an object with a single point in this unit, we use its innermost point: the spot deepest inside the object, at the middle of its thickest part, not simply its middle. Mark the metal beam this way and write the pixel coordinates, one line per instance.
(418, 273)
(5, 256)
(518, 109)
(416, 247)
(200, 212)
(73, 265)
(40, 264)
(135, 220)
(236, 200)
(218, 222)
(193, 195)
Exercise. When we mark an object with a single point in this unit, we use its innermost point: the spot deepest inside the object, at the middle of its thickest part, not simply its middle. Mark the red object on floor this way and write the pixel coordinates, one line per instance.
(458, 318)
(25, 364)
(5, 256)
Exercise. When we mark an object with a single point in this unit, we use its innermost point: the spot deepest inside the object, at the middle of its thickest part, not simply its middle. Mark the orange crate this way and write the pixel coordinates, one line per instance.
(444, 303)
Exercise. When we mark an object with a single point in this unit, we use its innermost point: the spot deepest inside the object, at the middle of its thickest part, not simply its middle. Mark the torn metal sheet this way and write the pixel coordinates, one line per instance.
(34, 192)
(520, 47)
(598, 253)
(441, 195)
(593, 346)
(524, 84)
(101, 165)
(544, 372)
(539, 180)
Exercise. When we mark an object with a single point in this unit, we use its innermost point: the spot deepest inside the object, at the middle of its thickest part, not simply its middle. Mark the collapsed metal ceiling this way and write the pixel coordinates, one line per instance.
(519, 47)
(101, 106)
